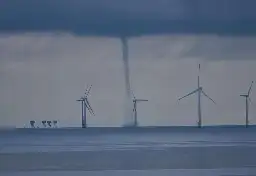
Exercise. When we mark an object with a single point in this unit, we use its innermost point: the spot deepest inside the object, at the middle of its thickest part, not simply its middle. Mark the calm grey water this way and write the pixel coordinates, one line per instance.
(117, 151)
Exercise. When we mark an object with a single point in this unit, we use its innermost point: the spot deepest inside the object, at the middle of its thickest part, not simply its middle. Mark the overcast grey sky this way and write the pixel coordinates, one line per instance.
(133, 17)
(49, 51)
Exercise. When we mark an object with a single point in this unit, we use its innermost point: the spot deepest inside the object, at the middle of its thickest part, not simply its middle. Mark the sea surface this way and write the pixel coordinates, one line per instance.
(128, 151)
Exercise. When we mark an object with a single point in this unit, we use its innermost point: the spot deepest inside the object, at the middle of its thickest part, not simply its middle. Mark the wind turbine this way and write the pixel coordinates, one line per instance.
(135, 101)
(85, 105)
(199, 92)
(247, 99)
(55, 123)
(44, 123)
(32, 123)
(49, 123)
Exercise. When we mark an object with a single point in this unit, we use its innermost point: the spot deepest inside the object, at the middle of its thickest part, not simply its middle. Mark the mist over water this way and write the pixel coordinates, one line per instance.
(128, 119)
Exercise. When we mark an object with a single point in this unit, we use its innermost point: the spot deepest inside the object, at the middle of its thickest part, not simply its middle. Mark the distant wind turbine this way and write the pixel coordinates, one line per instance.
(49, 123)
(199, 91)
(247, 99)
(32, 123)
(85, 105)
(44, 123)
(55, 123)
(135, 101)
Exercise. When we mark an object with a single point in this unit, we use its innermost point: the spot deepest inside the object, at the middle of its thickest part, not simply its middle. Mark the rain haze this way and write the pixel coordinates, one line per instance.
(50, 50)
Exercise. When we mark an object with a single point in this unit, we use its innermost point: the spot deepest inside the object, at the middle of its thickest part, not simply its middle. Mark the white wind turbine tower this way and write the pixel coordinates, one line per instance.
(199, 92)
(85, 105)
(247, 99)
(135, 101)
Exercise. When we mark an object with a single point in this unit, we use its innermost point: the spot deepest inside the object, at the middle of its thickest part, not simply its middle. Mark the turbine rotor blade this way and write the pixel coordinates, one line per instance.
(141, 100)
(189, 94)
(91, 112)
(89, 106)
(250, 89)
(88, 91)
(133, 95)
(86, 88)
(86, 105)
(208, 97)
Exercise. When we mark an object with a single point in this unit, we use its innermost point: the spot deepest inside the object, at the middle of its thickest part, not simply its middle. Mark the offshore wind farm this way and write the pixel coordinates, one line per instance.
(131, 102)
(130, 118)
(132, 148)
(139, 113)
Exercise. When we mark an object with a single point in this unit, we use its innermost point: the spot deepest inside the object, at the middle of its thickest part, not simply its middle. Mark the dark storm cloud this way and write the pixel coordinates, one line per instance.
(129, 17)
